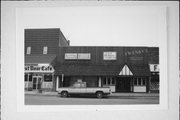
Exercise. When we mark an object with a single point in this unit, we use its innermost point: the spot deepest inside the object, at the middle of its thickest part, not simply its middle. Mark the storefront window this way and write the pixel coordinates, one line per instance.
(108, 81)
(47, 78)
(113, 81)
(143, 81)
(26, 77)
(139, 81)
(135, 81)
(104, 81)
(30, 77)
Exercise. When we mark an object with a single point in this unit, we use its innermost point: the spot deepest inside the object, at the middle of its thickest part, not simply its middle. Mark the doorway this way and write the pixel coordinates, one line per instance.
(123, 84)
(37, 80)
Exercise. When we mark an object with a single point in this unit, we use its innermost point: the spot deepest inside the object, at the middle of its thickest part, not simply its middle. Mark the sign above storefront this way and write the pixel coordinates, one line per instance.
(109, 55)
(44, 69)
(136, 52)
(154, 67)
(84, 56)
(80, 56)
(70, 56)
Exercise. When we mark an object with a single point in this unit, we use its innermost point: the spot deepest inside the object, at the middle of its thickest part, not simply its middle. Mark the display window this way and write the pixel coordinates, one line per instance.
(139, 81)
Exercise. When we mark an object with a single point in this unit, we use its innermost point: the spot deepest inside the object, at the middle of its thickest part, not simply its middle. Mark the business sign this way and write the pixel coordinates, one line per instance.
(70, 56)
(136, 52)
(109, 55)
(80, 56)
(84, 56)
(32, 68)
(154, 67)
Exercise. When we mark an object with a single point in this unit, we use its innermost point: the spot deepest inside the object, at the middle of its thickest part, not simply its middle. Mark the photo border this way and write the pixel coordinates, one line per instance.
(11, 103)
(163, 99)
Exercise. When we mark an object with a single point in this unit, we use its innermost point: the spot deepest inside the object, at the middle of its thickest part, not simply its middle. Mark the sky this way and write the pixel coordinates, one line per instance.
(99, 26)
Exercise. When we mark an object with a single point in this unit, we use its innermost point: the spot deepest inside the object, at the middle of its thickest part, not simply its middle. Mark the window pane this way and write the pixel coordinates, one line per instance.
(47, 78)
(135, 81)
(144, 81)
(28, 50)
(45, 50)
(113, 81)
(30, 77)
(104, 81)
(139, 81)
(26, 77)
(109, 81)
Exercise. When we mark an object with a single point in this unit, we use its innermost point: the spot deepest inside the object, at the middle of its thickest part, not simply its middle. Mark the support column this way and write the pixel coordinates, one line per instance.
(57, 83)
(149, 90)
(99, 85)
(62, 79)
(28, 82)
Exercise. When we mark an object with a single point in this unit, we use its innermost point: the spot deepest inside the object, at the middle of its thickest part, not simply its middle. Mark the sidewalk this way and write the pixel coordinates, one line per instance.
(113, 94)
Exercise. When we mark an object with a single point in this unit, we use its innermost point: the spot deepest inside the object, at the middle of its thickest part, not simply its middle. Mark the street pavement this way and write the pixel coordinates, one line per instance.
(52, 98)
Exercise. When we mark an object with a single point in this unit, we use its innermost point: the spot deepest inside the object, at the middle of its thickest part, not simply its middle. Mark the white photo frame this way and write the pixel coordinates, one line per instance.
(166, 36)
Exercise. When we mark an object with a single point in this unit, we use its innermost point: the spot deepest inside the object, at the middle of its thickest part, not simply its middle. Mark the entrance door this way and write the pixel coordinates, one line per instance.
(37, 82)
(123, 84)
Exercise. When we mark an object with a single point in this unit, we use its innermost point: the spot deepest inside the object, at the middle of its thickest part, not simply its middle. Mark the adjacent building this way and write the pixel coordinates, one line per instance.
(124, 69)
(41, 46)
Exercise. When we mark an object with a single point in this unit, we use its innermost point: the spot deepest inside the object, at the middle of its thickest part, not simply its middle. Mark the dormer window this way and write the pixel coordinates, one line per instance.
(28, 50)
(45, 49)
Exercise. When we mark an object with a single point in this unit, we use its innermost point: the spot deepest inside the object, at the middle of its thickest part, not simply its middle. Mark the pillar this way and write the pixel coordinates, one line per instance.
(57, 83)
(99, 84)
(28, 82)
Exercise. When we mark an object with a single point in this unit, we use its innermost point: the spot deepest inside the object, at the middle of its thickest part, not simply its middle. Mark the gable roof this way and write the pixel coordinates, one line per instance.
(125, 71)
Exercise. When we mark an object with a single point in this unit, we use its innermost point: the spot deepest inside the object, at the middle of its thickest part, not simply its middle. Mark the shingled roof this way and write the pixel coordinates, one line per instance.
(100, 70)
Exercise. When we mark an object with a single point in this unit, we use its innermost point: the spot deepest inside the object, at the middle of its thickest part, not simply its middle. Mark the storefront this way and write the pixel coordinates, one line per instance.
(103, 67)
(154, 83)
(39, 75)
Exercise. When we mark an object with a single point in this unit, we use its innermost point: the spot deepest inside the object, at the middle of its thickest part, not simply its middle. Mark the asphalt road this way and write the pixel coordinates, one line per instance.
(111, 100)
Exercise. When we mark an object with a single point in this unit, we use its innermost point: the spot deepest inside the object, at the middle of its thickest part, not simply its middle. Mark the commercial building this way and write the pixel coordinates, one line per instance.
(124, 69)
(51, 63)
(154, 69)
(40, 49)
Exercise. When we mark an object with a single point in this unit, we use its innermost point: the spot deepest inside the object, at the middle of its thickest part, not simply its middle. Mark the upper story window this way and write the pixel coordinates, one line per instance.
(109, 55)
(28, 50)
(45, 49)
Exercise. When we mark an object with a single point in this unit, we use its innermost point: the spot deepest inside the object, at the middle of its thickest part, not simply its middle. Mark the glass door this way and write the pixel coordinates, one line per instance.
(37, 82)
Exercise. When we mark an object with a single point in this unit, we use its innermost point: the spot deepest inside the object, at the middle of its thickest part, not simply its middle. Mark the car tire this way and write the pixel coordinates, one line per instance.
(64, 94)
(99, 94)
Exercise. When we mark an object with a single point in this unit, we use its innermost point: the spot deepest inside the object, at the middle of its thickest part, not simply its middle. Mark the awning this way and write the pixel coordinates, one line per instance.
(140, 70)
(100, 70)
(39, 59)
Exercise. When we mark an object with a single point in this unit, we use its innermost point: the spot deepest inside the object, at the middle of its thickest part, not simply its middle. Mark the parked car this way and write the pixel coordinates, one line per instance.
(79, 88)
